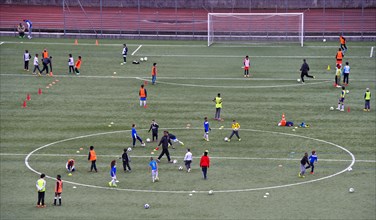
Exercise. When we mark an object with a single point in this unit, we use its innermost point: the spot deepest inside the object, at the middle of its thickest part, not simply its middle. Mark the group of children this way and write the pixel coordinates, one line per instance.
(41, 188)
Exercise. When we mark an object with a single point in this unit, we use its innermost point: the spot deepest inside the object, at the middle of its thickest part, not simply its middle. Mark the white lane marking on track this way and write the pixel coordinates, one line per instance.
(136, 50)
(219, 191)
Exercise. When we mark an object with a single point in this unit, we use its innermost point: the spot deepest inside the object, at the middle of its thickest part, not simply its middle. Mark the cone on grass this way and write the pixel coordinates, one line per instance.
(328, 68)
(96, 42)
(28, 98)
(24, 105)
(75, 42)
(145, 82)
(51, 74)
(348, 109)
(39, 91)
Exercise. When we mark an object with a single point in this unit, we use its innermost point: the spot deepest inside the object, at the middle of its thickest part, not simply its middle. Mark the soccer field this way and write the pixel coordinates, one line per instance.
(76, 111)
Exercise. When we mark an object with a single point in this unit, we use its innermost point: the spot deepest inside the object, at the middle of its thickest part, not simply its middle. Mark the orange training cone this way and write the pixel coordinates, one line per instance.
(28, 98)
(24, 105)
(145, 82)
(39, 91)
(51, 74)
(96, 42)
(76, 42)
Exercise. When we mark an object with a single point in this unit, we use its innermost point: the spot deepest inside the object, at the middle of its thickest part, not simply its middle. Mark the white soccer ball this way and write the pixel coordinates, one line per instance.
(350, 169)
(148, 140)
(210, 192)
(29, 37)
(129, 149)
(347, 91)
(156, 179)
(351, 190)
(331, 108)
(145, 58)
(141, 59)
(226, 139)
(324, 40)
(146, 206)
(180, 168)
(143, 144)
(175, 161)
(298, 80)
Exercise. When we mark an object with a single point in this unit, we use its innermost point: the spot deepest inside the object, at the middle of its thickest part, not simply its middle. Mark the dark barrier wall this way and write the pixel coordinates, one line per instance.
(207, 4)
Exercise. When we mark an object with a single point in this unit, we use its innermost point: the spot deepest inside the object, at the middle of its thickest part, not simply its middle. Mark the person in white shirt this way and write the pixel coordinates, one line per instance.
(188, 160)
(346, 73)
(71, 64)
(125, 52)
(27, 57)
(246, 63)
(36, 64)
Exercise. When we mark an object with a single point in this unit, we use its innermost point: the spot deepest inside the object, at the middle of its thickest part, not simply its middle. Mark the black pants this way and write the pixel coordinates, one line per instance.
(26, 65)
(155, 135)
(165, 151)
(312, 167)
(134, 140)
(346, 78)
(77, 71)
(343, 47)
(188, 164)
(125, 59)
(71, 69)
(236, 133)
(36, 68)
(45, 67)
(336, 79)
(93, 165)
(125, 165)
(21, 34)
(305, 74)
(217, 113)
(40, 198)
(204, 171)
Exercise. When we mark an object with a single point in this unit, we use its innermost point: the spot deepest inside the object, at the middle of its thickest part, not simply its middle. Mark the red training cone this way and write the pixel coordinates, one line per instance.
(28, 98)
(348, 109)
(39, 91)
(24, 105)
(145, 82)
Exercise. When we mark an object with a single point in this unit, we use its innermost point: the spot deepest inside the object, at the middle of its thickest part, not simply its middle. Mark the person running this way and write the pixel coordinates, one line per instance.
(70, 166)
(143, 96)
(174, 139)
(304, 71)
(71, 64)
(312, 160)
(246, 64)
(154, 169)
(342, 41)
(135, 136)
(207, 129)
(346, 73)
(36, 65)
(341, 100)
(205, 164)
(154, 73)
(367, 99)
(165, 142)
(58, 189)
(44, 54)
(188, 160)
(113, 174)
(303, 162)
(41, 187)
(93, 159)
(29, 27)
(126, 161)
(77, 66)
(218, 107)
(339, 56)
(154, 128)
(47, 62)
(235, 130)
(27, 58)
(125, 52)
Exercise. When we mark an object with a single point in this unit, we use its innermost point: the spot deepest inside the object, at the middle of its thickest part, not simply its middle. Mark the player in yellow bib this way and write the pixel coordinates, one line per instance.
(218, 107)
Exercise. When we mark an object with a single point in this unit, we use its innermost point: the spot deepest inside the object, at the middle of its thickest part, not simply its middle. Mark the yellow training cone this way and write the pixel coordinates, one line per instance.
(328, 68)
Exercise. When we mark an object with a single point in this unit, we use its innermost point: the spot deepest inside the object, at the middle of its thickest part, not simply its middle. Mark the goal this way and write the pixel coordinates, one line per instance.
(255, 27)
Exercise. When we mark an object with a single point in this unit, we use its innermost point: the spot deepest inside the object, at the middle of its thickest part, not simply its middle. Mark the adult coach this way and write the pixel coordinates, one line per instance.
(165, 141)
(304, 71)
(218, 107)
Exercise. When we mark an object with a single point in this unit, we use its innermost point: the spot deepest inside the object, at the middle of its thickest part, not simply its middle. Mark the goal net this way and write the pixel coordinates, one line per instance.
(255, 27)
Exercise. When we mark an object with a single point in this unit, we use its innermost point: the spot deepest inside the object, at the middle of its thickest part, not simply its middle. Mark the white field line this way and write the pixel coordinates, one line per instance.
(241, 56)
(371, 54)
(1, 43)
(136, 50)
(220, 158)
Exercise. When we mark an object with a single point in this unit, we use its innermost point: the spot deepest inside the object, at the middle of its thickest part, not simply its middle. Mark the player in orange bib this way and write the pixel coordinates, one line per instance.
(58, 189)
(154, 73)
(342, 40)
(339, 56)
(78, 66)
(143, 95)
(246, 63)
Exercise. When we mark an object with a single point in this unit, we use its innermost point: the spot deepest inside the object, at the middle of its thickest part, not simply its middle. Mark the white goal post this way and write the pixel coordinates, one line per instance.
(255, 27)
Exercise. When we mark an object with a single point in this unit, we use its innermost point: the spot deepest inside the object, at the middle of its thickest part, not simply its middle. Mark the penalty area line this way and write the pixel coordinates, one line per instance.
(136, 49)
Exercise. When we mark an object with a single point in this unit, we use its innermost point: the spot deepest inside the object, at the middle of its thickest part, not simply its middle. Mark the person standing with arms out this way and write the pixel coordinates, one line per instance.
(143, 95)
(165, 142)
(339, 56)
(188, 160)
(77, 66)
(367, 99)
(246, 63)
(312, 160)
(125, 52)
(218, 107)
(154, 169)
(303, 162)
(135, 136)
(41, 187)
(205, 164)
(346, 73)
(126, 161)
(36, 65)
(342, 41)
(58, 189)
(93, 159)
(29, 27)
(235, 130)
(207, 129)
(341, 100)
(113, 174)
(154, 73)
(71, 64)
(304, 71)
(21, 30)
(26, 57)
(154, 128)
(70, 166)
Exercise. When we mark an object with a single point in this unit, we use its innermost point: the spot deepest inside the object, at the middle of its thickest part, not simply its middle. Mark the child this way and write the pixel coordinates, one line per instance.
(206, 129)
(205, 164)
(36, 65)
(71, 64)
(58, 189)
(342, 100)
(113, 174)
(47, 61)
(125, 52)
(174, 139)
(367, 98)
(312, 160)
(126, 161)
(235, 130)
(78, 66)
(143, 95)
(27, 57)
(70, 166)
(154, 169)
(337, 78)
(154, 73)
(135, 136)
(342, 41)
(246, 66)
(346, 73)
(41, 187)
(154, 128)
(188, 160)
(93, 158)
(303, 162)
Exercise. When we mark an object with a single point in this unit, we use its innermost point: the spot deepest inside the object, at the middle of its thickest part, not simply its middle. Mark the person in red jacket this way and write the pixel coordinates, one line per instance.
(205, 164)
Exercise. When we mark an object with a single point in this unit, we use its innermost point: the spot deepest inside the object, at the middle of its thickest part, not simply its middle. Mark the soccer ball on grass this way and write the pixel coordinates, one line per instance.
(146, 206)
(129, 149)
(226, 139)
(148, 140)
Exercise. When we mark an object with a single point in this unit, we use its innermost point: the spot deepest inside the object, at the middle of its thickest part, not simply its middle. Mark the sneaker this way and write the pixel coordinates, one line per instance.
(369, 110)
(38, 206)
(109, 184)
(365, 110)
(314, 77)
(170, 161)
(228, 140)
(158, 161)
(207, 139)
(299, 175)
(342, 110)
(114, 185)
(117, 181)
(240, 139)
(43, 206)
(312, 172)
(245, 76)
(338, 108)
(189, 170)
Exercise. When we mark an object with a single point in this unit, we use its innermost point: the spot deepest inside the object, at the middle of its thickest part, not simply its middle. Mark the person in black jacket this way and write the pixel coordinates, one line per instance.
(304, 71)
(154, 128)
(303, 162)
(46, 62)
(165, 142)
(126, 161)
